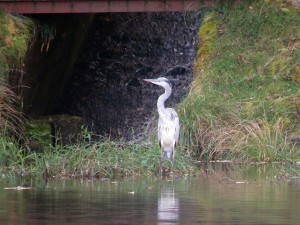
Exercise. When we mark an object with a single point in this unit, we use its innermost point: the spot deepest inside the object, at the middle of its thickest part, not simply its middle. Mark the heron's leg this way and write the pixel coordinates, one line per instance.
(174, 150)
(173, 157)
(160, 169)
(160, 163)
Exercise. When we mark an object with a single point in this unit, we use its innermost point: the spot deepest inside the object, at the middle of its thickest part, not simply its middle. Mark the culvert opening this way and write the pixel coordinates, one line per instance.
(121, 49)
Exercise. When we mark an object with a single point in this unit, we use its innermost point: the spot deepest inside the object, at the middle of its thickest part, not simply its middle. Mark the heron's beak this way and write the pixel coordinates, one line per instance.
(149, 80)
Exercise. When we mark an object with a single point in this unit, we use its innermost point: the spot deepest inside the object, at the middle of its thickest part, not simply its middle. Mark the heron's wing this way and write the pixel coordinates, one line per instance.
(173, 117)
(168, 126)
(160, 124)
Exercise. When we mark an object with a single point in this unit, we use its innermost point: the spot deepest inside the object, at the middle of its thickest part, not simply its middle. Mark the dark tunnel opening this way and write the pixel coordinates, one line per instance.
(106, 87)
(95, 64)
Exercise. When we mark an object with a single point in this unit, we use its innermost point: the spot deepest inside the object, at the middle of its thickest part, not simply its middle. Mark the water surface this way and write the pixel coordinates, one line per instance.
(252, 195)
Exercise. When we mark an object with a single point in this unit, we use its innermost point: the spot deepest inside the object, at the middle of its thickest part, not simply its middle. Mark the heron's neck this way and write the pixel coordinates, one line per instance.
(161, 100)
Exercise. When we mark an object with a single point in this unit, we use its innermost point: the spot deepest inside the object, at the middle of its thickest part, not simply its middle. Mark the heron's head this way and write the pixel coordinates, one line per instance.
(161, 81)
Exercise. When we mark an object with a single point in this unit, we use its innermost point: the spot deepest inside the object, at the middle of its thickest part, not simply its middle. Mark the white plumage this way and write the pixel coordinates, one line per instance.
(168, 122)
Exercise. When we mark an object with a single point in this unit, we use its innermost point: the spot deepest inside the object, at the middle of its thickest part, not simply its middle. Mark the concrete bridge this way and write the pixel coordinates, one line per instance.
(98, 6)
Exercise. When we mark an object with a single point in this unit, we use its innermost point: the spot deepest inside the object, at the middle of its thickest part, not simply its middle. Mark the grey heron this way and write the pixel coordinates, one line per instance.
(168, 122)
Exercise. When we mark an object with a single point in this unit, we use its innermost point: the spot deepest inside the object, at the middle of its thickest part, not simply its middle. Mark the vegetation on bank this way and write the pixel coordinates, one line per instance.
(89, 159)
(244, 102)
(15, 34)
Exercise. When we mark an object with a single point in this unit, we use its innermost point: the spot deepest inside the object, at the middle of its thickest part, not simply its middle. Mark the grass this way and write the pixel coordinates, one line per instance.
(89, 159)
(244, 102)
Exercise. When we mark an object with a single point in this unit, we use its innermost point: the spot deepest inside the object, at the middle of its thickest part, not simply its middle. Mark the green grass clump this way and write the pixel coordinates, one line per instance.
(89, 159)
(244, 102)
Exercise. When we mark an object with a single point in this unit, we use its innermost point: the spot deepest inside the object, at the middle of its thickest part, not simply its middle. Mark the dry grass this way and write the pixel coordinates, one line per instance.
(256, 140)
(262, 141)
(11, 117)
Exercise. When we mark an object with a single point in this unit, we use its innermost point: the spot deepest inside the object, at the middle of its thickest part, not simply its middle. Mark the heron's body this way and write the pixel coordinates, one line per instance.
(168, 122)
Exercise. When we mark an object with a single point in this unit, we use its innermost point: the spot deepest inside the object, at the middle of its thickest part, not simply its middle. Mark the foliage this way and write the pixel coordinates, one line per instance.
(15, 33)
(244, 101)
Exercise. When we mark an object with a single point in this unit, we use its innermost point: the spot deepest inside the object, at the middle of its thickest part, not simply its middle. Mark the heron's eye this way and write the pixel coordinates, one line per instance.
(167, 81)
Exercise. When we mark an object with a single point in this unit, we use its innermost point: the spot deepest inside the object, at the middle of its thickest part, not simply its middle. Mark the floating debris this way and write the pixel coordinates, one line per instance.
(150, 188)
(227, 180)
(18, 188)
(241, 182)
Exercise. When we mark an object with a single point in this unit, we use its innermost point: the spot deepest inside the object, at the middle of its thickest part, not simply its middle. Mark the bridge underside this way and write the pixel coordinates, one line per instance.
(98, 6)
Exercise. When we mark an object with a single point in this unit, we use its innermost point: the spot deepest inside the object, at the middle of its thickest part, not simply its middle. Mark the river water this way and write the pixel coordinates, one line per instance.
(252, 195)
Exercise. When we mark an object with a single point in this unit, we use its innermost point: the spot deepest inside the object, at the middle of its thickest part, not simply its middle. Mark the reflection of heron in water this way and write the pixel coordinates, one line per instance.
(168, 207)
(168, 122)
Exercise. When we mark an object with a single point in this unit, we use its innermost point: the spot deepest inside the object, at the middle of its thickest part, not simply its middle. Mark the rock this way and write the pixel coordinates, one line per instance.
(66, 128)
(295, 139)
(42, 132)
